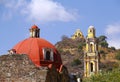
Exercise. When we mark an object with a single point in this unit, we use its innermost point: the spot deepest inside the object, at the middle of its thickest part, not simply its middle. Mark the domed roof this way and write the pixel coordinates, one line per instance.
(40, 51)
(91, 27)
(34, 26)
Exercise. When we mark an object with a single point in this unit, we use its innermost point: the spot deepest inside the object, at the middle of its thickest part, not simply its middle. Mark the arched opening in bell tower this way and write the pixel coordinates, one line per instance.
(91, 66)
(90, 30)
(91, 47)
(79, 34)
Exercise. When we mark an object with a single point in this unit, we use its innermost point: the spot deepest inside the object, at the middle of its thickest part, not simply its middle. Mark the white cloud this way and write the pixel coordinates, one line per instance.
(47, 10)
(11, 8)
(113, 29)
(113, 34)
(114, 43)
(40, 10)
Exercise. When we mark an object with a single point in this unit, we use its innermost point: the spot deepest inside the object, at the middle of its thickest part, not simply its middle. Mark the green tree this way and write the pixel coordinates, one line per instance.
(113, 48)
(102, 38)
(103, 44)
(102, 41)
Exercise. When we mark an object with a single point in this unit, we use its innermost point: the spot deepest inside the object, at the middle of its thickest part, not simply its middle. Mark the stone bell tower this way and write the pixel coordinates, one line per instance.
(91, 57)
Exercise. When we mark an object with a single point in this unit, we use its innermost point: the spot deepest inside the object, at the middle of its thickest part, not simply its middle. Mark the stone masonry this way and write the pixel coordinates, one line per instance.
(19, 68)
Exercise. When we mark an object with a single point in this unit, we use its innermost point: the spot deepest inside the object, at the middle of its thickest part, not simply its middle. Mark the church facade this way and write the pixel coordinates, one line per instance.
(77, 34)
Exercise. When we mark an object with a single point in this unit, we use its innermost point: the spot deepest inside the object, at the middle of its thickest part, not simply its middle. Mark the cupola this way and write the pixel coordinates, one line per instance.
(34, 32)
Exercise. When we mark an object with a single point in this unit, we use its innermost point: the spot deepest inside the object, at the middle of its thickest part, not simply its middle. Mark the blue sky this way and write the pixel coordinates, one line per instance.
(56, 18)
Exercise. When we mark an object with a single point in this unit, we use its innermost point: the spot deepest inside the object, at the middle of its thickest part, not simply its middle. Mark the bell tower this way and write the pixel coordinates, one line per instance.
(91, 57)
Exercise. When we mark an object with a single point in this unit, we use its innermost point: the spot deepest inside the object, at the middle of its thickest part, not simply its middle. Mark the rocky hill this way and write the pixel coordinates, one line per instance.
(72, 52)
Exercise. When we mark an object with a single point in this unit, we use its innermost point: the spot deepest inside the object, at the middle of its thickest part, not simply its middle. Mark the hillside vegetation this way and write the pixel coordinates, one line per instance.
(113, 76)
(72, 53)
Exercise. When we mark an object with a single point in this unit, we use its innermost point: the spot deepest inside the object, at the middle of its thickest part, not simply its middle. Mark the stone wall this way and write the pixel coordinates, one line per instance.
(19, 68)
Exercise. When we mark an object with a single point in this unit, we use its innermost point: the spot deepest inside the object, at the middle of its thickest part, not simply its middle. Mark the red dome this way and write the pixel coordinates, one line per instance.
(34, 26)
(40, 51)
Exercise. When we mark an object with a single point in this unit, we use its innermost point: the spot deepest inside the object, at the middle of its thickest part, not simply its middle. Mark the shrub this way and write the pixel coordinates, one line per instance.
(113, 48)
(113, 76)
(75, 62)
(102, 52)
(104, 44)
(109, 66)
(117, 55)
(80, 46)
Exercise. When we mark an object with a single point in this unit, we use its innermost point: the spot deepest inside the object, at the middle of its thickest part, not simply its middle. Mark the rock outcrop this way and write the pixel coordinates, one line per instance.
(19, 68)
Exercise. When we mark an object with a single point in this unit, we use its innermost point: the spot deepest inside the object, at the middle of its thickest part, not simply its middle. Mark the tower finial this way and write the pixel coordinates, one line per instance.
(34, 31)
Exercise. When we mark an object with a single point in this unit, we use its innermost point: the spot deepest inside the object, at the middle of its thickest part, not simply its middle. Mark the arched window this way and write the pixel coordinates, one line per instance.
(75, 36)
(90, 30)
(91, 47)
(79, 34)
(48, 55)
(35, 33)
(91, 66)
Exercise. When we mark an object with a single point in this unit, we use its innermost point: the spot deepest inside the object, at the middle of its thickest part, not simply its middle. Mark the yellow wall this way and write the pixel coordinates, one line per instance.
(77, 34)
(86, 47)
(91, 33)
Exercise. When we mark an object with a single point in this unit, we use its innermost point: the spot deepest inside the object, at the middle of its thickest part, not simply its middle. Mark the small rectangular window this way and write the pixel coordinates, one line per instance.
(48, 54)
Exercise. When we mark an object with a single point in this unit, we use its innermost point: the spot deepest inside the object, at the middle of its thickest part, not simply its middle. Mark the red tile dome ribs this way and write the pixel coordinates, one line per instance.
(39, 50)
